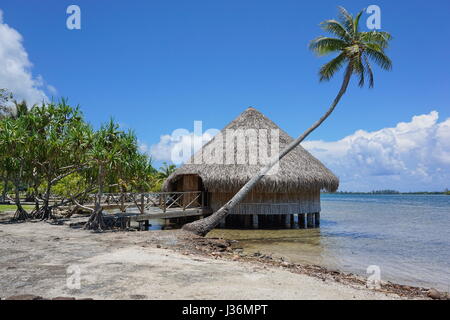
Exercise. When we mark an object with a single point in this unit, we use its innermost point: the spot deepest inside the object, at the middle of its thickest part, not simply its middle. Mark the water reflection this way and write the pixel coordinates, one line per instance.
(296, 245)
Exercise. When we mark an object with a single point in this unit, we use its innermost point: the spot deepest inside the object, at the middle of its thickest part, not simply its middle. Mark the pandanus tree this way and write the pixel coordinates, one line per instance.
(13, 110)
(15, 158)
(5, 111)
(110, 154)
(355, 50)
(59, 142)
(141, 174)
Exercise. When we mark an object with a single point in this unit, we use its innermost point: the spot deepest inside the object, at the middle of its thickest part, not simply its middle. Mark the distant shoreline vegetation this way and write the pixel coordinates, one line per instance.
(377, 192)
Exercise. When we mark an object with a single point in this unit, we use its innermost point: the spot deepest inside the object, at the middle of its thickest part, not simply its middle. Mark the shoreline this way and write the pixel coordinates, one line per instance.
(170, 264)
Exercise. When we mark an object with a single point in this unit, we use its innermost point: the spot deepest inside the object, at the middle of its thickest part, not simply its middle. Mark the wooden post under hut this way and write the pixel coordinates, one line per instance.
(255, 222)
(317, 219)
(310, 220)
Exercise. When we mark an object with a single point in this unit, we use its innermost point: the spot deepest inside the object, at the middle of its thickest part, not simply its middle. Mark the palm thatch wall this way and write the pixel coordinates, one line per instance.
(270, 203)
(293, 188)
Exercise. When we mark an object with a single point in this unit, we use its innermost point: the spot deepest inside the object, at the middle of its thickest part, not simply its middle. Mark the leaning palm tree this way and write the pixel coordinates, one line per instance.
(355, 50)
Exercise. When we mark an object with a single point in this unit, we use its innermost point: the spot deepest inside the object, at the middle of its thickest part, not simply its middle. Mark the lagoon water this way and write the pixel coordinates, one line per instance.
(407, 236)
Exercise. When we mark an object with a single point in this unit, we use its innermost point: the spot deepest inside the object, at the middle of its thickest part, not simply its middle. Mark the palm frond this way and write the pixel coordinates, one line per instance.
(356, 22)
(325, 45)
(355, 47)
(352, 50)
(378, 37)
(346, 20)
(368, 67)
(358, 68)
(329, 69)
(336, 28)
(376, 53)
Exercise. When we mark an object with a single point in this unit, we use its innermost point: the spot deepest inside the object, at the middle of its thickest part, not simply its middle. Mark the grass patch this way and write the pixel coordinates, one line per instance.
(12, 207)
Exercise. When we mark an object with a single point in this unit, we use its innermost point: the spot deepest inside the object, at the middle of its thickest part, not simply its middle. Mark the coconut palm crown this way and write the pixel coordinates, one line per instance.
(356, 49)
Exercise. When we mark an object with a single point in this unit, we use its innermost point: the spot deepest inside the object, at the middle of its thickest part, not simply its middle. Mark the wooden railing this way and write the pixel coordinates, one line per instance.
(143, 201)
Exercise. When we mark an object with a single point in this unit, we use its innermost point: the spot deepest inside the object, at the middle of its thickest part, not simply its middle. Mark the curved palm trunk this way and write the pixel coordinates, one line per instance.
(203, 226)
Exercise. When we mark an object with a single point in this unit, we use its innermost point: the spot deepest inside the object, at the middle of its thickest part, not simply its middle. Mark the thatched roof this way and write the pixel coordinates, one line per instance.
(298, 170)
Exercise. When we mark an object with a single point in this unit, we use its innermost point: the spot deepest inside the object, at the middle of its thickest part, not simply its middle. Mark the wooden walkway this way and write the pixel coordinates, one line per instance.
(156, 213)
(142, 207)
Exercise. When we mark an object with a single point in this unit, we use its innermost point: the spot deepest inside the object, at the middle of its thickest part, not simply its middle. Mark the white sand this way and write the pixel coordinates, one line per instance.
(34, 258)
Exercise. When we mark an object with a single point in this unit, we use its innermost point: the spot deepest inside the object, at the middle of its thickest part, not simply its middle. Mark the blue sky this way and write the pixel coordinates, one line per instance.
(156, 66)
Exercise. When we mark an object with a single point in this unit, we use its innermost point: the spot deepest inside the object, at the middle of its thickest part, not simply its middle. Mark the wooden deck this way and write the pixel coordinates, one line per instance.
(142, 207)
(156, 213)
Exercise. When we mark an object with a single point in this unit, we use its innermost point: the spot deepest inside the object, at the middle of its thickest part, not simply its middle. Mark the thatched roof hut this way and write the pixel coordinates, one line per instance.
(294, 187)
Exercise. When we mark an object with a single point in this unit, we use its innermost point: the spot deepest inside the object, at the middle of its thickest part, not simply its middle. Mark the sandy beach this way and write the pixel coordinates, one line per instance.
(38, 257)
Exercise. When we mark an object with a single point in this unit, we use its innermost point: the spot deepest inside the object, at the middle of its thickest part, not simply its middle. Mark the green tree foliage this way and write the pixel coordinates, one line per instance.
(5, 107)
(51, 150)
(164, 172)
(60, 140)
(15, 157)
(355, 49)
(114, 154)
(70, 186)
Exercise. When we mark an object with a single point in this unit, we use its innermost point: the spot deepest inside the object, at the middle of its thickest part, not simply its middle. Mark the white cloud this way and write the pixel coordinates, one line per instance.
(411, 156)
(52, 89)
(179, 146)
(15, 67)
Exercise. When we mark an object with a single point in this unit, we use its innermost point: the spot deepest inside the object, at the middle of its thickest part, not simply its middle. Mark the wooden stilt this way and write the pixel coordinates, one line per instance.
(255, 221)
(223, 223)
(287, 221)
(146, 224)
(310, 220)
(301, 221)
(122, 202)
(295, 221)
(142, 206)
(317, 219)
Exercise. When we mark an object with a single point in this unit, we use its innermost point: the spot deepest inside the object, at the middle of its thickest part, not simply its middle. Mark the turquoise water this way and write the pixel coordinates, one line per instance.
(407, 236)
